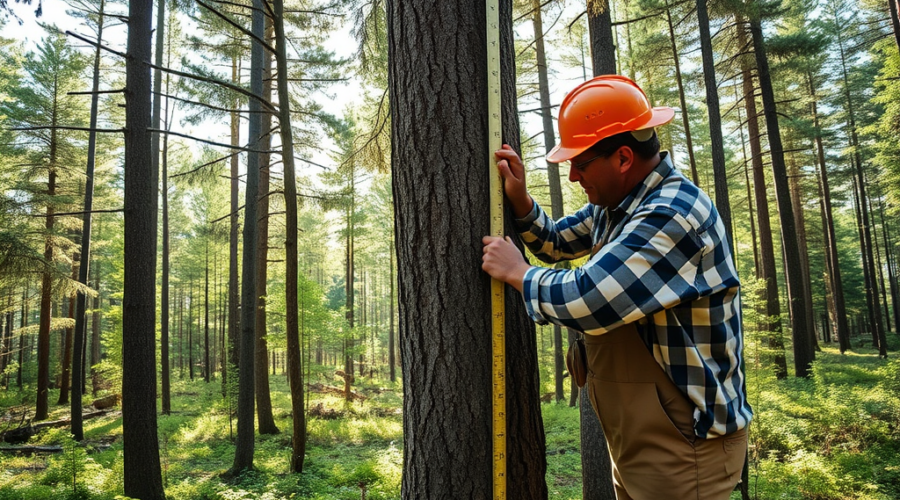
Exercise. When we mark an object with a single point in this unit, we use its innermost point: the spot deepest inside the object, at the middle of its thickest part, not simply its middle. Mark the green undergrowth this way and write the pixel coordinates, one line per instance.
(833, 436)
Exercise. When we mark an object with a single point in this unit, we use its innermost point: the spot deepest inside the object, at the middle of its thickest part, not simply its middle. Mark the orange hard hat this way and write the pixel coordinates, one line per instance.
(603, 107)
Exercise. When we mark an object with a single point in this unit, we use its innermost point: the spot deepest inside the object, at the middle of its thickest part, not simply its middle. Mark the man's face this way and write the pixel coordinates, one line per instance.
(599, 176)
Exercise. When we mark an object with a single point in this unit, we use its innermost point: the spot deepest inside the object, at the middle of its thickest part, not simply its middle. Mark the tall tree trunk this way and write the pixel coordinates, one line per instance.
(80, 306)
(95, 331)
(681, 97)
(596, 465)
(871, 301)
(556, 198)
(891, 265)
(717, 149)
(392, 362)
(265, 419)
(837, 286)
(895, 22)
(243, 454)
(875, 310)
(66, 365)
(166, 396)
(803, 351)
(753, 240)
(234, 324)
(603, 46)
(43, 388)
(445, 335)
(806, 291)
(22, 321)
(766, 246)
(206, 313)
(295, 366)
(143, 477)
(349, 289)
(190, 359)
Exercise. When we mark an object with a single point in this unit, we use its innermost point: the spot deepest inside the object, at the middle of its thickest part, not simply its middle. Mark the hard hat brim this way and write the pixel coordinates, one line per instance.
(660, 116)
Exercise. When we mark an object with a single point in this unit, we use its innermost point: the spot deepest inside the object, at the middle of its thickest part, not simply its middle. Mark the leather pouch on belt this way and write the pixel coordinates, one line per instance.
(576, 362)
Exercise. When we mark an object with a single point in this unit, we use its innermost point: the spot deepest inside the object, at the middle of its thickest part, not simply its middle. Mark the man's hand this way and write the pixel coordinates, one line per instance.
(503, 261)
(513, 172)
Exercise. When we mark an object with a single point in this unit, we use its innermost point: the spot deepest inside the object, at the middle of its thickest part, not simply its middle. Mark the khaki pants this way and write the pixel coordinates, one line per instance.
(648, 424)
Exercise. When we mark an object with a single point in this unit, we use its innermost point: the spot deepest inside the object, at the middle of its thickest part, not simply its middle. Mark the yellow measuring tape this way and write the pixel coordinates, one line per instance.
(498, 306)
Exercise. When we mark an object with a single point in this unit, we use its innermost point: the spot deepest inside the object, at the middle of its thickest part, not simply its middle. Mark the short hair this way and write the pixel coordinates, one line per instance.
(644, 149)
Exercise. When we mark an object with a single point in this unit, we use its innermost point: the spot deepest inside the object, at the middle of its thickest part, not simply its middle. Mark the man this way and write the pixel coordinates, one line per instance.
(657, 299)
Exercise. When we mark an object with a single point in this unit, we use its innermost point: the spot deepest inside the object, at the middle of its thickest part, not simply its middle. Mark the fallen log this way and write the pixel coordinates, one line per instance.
(22, 434)
(106, 402)
(337, 391)
(28, 450)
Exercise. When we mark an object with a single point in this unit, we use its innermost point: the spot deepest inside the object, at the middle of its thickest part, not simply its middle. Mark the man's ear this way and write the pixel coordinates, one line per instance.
(626, 159)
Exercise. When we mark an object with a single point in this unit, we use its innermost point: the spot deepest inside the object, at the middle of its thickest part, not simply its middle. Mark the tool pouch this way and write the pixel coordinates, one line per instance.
(576, 362)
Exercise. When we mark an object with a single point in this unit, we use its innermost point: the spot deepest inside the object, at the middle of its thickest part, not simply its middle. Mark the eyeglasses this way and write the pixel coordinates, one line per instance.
(582, 165)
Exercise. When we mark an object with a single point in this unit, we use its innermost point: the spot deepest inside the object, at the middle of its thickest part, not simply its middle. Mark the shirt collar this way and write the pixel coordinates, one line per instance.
(633, 199)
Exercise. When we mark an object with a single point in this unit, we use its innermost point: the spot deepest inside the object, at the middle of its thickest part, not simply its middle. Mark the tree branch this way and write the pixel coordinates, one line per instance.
(213, 143)
(96, 44)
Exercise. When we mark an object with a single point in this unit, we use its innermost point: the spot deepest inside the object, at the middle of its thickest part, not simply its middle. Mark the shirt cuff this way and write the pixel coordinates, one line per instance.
(531, 294)
(524, 223)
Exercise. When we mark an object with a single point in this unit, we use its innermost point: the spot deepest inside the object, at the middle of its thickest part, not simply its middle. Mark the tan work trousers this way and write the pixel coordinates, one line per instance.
(648, 424)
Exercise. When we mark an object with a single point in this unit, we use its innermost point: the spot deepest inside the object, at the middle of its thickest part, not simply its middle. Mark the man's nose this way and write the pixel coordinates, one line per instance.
(573, 173)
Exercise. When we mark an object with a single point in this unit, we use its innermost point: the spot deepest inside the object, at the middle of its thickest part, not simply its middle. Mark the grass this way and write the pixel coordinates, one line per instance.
(833, 436)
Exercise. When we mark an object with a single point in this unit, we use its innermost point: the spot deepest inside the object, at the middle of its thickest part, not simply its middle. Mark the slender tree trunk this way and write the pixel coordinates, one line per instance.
(265, 419)
(766, 246)
(806, 291)
(556, 199)
(681, 97)
(206, 314)
(233, 290)
(895, 22)
(190, 360)
(875, 310)
(43, 388)
(295, 366)
(66, 365)
(95, 331)
(80, 316)
(349, 289)
(717, 149)
(753, 241)
(22, 321)
(243, 455)
(871, 303)
(391, 336)
(837, 286)
(891, 265)
(166, 397)
(143, 477)
(803, 351)
(445, 335)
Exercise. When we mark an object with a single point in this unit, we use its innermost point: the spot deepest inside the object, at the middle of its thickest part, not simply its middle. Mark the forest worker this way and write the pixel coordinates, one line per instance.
(657, 299)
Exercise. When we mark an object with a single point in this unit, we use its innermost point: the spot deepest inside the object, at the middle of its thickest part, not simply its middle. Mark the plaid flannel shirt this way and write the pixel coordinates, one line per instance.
(667, 266)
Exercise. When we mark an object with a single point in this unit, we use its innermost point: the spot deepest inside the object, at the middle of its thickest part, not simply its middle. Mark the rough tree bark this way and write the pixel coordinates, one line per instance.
(442, 214)
(265, 420)
(295, 364)
(243, 453)
(143, 477)
(803, 351)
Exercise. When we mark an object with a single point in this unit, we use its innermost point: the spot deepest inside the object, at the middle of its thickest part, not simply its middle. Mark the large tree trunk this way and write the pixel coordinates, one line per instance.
(265, 419)
(445, 334)
(243, 453)
(166, 397)
(766, 246)
(837, 286)
(143, 478)
(803, 351)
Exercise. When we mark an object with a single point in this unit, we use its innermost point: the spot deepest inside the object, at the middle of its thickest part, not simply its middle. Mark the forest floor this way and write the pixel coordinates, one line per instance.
(833, 436)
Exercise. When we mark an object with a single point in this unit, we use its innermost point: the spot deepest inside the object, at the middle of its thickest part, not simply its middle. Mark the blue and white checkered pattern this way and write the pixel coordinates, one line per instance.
(666, 266)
